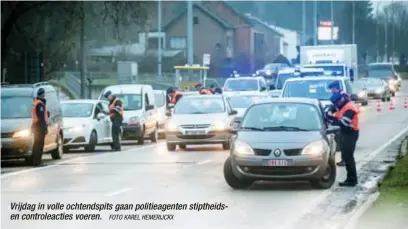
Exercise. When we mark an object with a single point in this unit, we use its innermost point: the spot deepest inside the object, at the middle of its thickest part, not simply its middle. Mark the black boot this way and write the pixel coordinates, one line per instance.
(348, 183)
(341, 163)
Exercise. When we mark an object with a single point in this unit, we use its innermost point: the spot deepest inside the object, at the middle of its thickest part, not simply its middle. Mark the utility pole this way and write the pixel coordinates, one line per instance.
(304, 22)
(354, 24)
(315, 23)
(332, 21)
(190, 33)
(159, 45)
(377, 40)
(386, 38)
(83, 52)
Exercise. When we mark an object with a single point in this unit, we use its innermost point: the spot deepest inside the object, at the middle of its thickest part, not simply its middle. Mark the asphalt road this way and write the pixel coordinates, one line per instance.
(150, 173)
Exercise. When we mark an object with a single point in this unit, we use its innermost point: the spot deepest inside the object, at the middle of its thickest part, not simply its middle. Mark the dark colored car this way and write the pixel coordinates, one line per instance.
(283, 139)
(16, 136)
(270, 71)
(375, 88)
(386, 72)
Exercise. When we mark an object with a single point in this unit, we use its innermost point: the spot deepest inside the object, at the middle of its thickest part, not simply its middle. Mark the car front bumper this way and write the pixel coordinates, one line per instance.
(299, 168)
(13, 148)
(76, 139)
(209, 137)
(132, 131)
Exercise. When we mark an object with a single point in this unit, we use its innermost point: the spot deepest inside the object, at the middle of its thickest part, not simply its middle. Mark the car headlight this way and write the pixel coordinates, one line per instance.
(315, 148)
(75, 128)
(219, 125)
(361, 94)
(22, 133)
(268, 72)
(392, 82)
(241, 148)
(134, 120)
(171, 126)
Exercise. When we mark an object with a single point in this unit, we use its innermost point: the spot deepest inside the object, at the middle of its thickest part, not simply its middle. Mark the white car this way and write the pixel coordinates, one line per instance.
(86, 124)
(245, 85)
(160, 101)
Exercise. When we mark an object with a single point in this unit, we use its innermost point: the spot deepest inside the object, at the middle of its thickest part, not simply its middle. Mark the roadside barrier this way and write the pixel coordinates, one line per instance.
(379, 108)
(391, 107)
(406, 103)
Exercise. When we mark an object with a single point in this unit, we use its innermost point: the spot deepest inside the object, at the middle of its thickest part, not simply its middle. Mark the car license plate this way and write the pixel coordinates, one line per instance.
(278, 162)
(197, 132)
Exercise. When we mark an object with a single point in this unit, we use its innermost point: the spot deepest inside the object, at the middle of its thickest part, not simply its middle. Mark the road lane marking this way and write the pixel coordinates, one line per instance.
(78, 158)
(118, 192)
(204, 162)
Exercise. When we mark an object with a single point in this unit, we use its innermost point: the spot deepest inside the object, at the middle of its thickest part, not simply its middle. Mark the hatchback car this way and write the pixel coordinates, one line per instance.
(386, 72)
(375, 88)
(200, 119)
(86, 124)
(16, 136)
(283, 139)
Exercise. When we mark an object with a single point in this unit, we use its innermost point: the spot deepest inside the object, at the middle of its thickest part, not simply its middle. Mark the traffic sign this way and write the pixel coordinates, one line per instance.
(206, 59)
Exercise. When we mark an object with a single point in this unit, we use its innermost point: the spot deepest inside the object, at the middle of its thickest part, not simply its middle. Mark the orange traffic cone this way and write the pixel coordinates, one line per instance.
(359, 107)
(391, 107)
(379, 108)
(406, 103)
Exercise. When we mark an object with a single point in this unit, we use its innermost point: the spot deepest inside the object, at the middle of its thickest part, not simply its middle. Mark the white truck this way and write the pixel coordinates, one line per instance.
(336, 60)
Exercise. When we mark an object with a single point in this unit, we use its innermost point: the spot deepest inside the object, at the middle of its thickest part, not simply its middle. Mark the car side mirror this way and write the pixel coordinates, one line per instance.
(100, 116)
(149, 107)
(353, 97)
(233, 112)
(272, 87)
(168, 113)
(333, 129)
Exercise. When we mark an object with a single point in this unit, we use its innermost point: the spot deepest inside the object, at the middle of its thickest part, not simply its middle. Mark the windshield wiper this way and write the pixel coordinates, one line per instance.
(285, 128)
(252, 128)
(198, 112)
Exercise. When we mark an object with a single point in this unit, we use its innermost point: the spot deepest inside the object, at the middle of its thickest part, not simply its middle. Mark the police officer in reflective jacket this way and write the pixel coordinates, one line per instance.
(330, 110)
(116, 116)
(347, 119)
(39, 128)
(201, 89)
(173, 96)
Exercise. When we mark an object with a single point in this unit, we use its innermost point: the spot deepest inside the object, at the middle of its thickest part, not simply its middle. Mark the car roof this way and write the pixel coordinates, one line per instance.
(126, 88)
(204, 96)
(390, 64)
(317, 78)
(246, 78)
(92, 101)
(25, 89)
(248, 95)
(326, 64)
(159, 91)
(286, 70)
(310, 101)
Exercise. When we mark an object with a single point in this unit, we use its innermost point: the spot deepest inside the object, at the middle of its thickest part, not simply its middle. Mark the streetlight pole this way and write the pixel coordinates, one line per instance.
(83, 52)
(332, 21)
(315, 23)
(190, 32)
(354, 24)
(159, 40)
(304, 22)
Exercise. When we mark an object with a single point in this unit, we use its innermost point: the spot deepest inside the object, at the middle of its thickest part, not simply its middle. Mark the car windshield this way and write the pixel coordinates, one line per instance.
(316, 89)
(76, 110)
(159, 98)
(16, 107)
(380, 73)
(282, 117)
(238, 102)
(188, 105)
(241, 85)
(330, 70)
(130, 102)
(282, 79)
(311, 73)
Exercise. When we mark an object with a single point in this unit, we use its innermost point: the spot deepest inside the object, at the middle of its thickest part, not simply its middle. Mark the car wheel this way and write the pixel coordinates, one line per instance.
(93, 140)
(183, 146)
(365, 103)
(226, 145)
(66, 149)
(140, 141)
(232, 180)
(384, 99)
(171, 147)
(59, 151)
(155, 135)
(327, 180)
(393, 94)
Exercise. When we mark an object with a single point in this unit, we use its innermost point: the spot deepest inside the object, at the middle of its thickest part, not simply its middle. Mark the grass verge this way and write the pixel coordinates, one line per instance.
(404, 75)
(391, 208)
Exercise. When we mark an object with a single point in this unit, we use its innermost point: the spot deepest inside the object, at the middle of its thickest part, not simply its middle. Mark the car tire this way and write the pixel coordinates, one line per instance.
(59, 151)
(183, 146)
(393, 94)
(226, 145)
(171, 147)
(140, 140)
(66, 149)
(93, 140)
(384, 99)
(232, 180)
(365, 103)
(328, 179)
(155, 135)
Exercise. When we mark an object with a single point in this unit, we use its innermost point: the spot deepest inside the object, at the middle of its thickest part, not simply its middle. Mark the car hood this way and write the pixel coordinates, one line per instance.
(194, 119)
(72, 122)
(230, 93)
(12, 125)
(280, 139)
(129, 114)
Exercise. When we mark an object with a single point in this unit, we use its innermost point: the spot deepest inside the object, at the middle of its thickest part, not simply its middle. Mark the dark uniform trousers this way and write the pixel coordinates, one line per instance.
(116, 132)
(38, 145)
(348, 146)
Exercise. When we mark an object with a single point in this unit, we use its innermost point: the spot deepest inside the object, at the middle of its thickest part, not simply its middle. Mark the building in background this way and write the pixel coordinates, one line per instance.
(289, 41)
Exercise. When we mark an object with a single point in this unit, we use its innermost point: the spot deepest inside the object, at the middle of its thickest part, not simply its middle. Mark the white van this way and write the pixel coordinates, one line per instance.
(140, 113)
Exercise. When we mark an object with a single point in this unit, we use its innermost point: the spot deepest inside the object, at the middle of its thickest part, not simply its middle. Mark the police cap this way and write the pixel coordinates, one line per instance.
(170, 90)
(40, 92)
(107, 94)
(334, 84)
